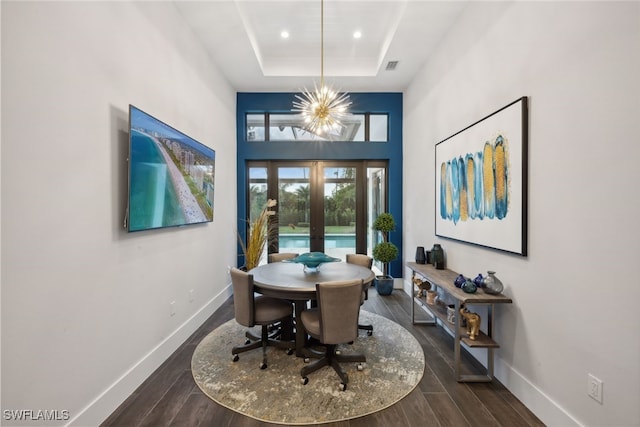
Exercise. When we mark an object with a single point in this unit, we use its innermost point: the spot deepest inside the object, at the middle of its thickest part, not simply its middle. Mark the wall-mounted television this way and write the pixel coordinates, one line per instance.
(171, 176)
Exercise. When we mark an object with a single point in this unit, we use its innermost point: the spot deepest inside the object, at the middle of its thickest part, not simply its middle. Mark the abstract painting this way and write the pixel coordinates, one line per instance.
(481, 181)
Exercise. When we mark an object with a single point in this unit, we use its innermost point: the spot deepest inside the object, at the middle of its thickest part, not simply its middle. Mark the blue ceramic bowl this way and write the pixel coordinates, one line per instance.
(313, 259)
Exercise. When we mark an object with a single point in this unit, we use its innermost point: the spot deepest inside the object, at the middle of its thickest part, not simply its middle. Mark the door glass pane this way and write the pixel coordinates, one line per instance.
(376, 198)
(294, 204)
(339, 211)
(257, 197)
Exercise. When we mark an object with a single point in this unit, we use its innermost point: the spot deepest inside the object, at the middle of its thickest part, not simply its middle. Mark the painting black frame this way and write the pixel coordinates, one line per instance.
(504, 131)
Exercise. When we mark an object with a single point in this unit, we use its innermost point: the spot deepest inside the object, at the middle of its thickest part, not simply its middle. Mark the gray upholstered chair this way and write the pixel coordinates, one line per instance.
(364, 261)
(334, 321)
(281, 256)
(264, 311)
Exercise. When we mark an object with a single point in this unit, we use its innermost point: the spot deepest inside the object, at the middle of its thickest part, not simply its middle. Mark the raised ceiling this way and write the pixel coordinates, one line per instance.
(244, 39)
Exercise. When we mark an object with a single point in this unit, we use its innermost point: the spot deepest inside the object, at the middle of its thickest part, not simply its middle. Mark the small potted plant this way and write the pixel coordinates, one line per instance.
(384, 252)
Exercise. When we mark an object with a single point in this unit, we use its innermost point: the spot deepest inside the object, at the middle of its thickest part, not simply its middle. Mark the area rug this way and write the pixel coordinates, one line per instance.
(395, 365)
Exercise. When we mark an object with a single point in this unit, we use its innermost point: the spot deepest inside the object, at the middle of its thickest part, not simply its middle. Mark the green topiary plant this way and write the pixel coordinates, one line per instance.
(385, 251)
(385, 224)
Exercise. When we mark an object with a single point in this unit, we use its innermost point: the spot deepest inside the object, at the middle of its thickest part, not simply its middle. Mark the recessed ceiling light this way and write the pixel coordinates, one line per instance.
(284, 34)
(357, 34)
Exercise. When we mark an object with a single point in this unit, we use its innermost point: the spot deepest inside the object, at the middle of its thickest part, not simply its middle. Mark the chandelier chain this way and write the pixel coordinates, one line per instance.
(322, 109)
(321, 43)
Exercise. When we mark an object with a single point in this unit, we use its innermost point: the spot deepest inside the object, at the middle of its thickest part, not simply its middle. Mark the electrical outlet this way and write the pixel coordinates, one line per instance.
(191, 295)
(594, 388)
(172, 308)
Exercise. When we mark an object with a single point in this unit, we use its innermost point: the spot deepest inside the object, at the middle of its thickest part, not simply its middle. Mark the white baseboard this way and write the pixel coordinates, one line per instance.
(109, 400)
(549, 411)
(536, 400)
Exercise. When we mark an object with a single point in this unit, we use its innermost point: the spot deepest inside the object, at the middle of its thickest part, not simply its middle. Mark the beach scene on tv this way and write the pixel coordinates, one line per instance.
(171, 176)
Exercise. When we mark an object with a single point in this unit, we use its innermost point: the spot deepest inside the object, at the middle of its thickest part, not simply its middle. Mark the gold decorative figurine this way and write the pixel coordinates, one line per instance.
(423, 286)
(473, 322)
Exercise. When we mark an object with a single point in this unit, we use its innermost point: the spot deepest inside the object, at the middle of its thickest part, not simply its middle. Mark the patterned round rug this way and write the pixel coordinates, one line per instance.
(395, 365)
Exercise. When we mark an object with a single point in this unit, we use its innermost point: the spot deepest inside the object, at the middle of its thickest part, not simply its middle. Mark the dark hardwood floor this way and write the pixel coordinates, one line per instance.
(170, 397)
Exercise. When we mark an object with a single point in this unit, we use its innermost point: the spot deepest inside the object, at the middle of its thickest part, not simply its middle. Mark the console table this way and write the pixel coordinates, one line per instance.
(443, 280)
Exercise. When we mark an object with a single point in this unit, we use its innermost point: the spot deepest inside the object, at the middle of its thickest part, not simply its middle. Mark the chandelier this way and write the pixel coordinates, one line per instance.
(322, 109)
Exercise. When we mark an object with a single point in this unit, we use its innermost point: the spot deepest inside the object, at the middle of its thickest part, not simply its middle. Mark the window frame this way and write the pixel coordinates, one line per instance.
(267, 128)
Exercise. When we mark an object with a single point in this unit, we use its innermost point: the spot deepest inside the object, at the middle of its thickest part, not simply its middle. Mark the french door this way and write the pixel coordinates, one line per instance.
(322, 206)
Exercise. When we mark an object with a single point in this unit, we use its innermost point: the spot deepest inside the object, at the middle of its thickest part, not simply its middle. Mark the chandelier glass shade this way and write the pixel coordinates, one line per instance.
(322, 109)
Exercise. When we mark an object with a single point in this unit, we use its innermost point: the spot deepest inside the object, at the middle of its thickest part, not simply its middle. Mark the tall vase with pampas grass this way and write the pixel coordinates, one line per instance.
(260, 230)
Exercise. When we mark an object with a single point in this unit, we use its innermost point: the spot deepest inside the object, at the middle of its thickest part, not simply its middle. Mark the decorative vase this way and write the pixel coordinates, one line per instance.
(437, 256)
(459, 281)
(421, 257)
(431, 297)
(469, 287)
(492, 285)
(478, 281)
(451, 313)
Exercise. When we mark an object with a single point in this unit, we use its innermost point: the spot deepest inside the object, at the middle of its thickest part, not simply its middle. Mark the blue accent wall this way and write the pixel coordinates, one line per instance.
(389, 103)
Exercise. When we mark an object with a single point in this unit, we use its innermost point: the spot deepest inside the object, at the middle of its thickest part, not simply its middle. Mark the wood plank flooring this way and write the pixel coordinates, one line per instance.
(170, 397)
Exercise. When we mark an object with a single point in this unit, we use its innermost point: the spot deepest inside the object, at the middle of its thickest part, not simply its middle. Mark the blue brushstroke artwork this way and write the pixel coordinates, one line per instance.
(475, 186)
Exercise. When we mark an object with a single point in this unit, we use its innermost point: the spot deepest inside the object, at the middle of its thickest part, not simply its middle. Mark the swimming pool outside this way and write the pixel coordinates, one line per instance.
(335, 245)
(292, 241)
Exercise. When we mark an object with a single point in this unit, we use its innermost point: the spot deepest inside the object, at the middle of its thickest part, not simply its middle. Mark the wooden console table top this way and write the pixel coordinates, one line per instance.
(445, 278)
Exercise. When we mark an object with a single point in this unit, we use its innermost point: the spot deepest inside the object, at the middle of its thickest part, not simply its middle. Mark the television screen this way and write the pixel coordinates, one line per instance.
(171, 176)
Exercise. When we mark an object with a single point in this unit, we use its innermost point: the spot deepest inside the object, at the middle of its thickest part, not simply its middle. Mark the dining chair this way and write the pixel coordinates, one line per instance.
(364, 261)
(281, 256)
(334, 321)
(250, 310)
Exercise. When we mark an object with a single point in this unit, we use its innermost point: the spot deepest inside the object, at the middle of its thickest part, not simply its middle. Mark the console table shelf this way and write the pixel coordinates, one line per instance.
(443, 280)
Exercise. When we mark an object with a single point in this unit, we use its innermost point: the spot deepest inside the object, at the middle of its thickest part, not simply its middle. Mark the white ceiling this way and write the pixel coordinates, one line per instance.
(243, 38)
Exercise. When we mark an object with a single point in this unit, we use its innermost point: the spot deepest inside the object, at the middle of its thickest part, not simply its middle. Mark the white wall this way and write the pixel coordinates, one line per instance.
(85, 306)
(576, 294)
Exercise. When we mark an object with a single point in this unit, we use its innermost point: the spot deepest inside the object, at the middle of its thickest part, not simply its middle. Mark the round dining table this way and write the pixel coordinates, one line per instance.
(292, 281)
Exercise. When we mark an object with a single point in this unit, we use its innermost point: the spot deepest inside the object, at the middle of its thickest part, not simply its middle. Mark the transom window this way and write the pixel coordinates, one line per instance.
(365, 127)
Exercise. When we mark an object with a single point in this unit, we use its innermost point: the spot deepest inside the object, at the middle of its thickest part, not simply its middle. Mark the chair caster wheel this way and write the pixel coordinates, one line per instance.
(263, 365)
(289, 352)
(360, 367)
(236, 357)
(343, 387)
(305, 381)
(369, 333)
(306, 360)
